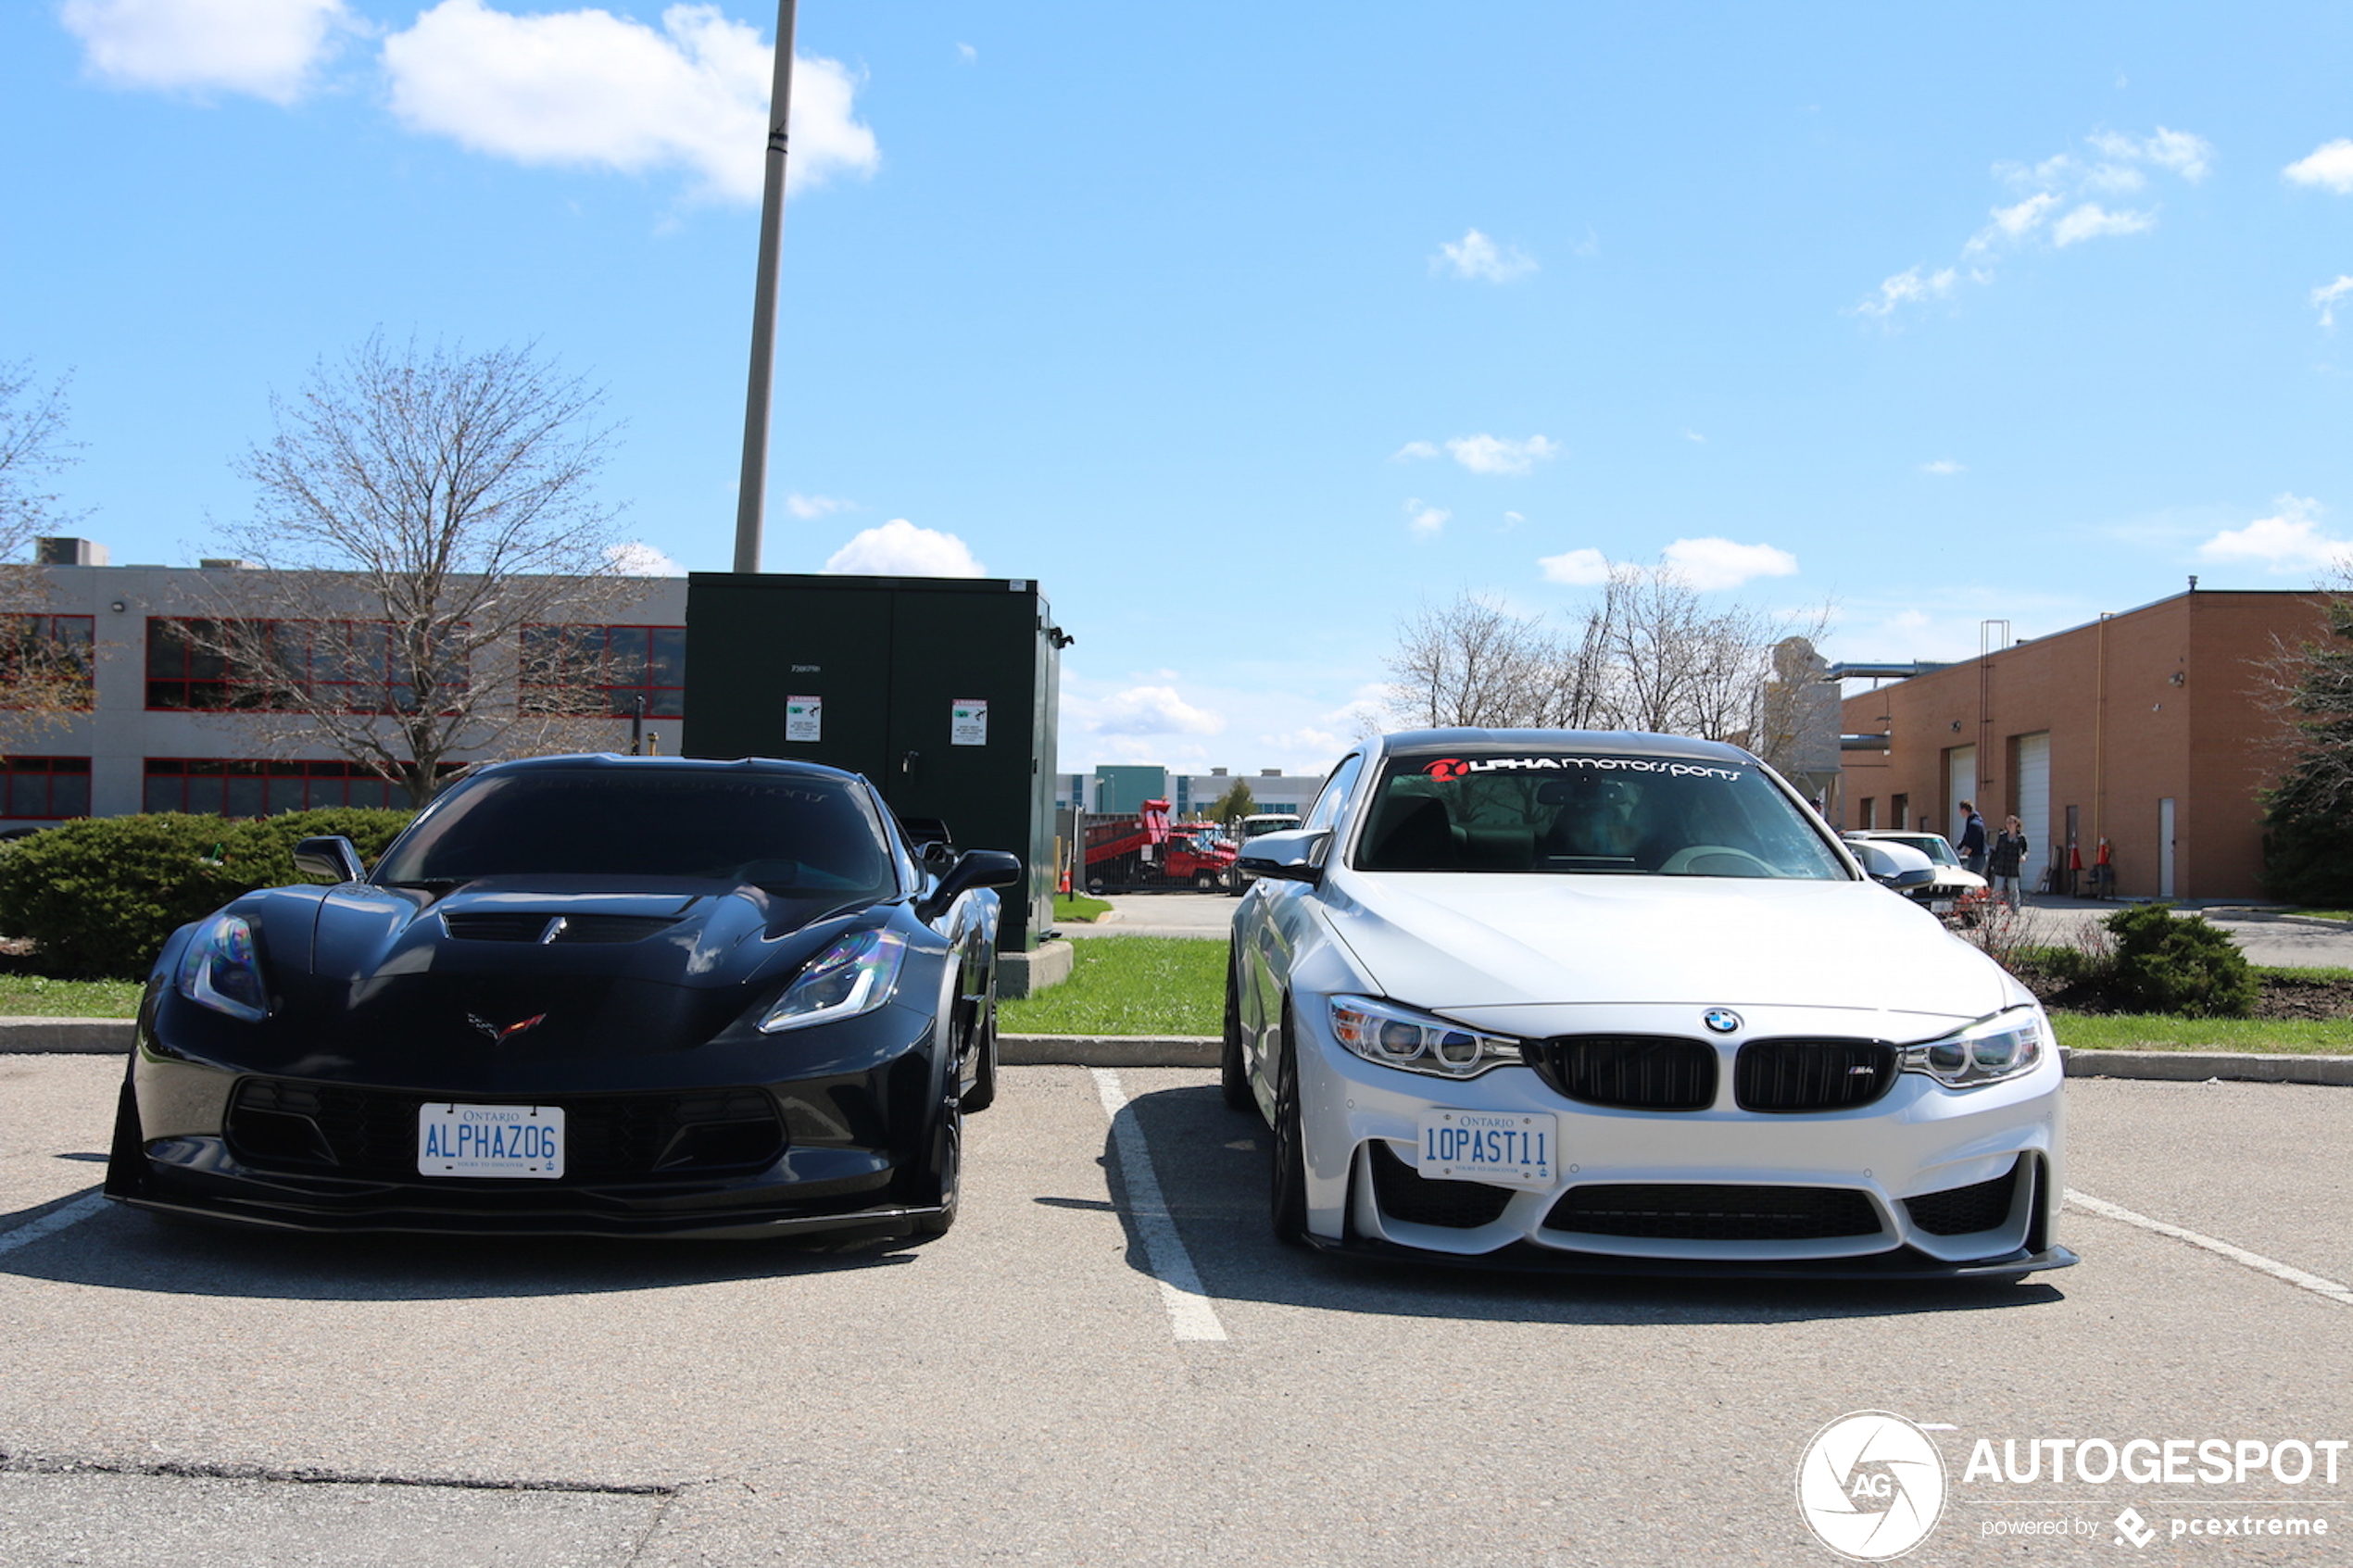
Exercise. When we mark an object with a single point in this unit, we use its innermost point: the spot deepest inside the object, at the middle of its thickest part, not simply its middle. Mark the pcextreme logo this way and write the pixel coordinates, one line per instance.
(1870, 1486)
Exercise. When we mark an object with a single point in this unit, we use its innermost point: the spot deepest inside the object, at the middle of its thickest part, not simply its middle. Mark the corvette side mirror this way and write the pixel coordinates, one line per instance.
(973, 868)
(332, 857)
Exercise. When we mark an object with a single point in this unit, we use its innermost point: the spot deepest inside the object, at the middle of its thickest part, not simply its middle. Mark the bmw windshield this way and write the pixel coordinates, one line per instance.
(1591, 813)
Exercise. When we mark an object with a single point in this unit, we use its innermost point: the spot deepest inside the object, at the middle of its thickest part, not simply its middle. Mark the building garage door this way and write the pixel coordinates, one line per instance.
(2034, 806)
(1960, 783)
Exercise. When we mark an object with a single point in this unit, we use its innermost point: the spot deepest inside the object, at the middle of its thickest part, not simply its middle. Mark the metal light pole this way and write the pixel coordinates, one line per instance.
(751, 490)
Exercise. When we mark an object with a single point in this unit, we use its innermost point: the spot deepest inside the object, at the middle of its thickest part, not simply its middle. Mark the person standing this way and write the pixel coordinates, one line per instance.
(2003, 860)
(1970, 845)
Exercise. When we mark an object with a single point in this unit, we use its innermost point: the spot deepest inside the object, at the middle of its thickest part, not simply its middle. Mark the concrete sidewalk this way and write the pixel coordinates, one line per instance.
(105, 1036)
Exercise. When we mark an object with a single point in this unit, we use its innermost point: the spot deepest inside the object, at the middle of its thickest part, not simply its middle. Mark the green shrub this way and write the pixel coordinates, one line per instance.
(98, 897)
(2171, 964)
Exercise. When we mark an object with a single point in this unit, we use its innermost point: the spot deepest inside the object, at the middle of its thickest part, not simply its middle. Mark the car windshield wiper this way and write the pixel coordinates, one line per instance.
(439, 886)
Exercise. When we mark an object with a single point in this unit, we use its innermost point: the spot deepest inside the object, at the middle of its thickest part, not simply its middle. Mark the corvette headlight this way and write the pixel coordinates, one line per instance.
(219, 969)
(855, 975)
(1986, 1052)
(1397, 1036)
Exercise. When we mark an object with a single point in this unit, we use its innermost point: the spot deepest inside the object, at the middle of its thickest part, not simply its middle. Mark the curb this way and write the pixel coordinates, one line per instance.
(100, 1037)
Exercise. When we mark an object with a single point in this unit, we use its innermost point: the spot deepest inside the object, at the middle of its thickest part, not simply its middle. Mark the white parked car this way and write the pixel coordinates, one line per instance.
(1623, 1002)
(1956, 894)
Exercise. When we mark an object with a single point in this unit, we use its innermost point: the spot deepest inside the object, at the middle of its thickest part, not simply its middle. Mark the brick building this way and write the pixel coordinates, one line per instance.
(2144, 728)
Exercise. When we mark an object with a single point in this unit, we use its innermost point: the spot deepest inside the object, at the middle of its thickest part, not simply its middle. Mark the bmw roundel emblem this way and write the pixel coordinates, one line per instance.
(1724, 1020)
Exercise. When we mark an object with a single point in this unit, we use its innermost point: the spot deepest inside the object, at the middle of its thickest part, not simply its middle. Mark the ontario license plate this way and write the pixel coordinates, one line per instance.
(490, 1140)
(1512, 1148)
(1941, 906)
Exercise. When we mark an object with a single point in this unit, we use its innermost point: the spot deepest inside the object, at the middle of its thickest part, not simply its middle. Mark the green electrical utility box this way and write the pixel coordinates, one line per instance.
(941, 690)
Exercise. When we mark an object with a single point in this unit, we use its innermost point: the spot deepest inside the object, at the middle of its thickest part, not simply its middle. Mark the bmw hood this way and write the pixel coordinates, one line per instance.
(1451, 942)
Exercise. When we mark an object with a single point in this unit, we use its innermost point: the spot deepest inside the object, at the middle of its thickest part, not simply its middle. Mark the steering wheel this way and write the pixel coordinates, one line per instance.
(1679, 862)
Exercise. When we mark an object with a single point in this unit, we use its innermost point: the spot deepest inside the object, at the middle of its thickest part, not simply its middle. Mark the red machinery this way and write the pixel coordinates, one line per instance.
(1148, 850)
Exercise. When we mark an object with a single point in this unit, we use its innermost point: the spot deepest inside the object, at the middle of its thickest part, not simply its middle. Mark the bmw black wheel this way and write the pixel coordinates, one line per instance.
(1286, 1193)
(1232, 1076)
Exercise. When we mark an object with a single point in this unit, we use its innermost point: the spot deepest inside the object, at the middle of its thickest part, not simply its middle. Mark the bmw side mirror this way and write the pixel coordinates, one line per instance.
(973, 868)
(1295, 854)
(333, 858)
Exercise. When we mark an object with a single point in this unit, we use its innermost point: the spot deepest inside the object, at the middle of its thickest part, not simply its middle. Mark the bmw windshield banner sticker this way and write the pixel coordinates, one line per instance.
(1872, 1485)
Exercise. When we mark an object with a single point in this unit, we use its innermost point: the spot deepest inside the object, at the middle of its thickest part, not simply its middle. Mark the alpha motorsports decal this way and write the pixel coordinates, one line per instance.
(1448, 769)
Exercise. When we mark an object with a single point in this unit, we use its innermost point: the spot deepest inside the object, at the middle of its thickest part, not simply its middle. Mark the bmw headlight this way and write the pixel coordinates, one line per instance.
(1986, 1052)
(855, 975)
(1397, 1036)
(219, 969)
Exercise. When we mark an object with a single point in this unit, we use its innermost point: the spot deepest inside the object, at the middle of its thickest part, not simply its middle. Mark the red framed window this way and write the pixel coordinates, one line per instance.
(48, 647)
(33, 787)
(230, 786)
(620, 663)
(349, 666)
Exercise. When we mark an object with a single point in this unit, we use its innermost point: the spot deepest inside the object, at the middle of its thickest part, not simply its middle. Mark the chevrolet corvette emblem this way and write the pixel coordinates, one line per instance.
(497, 1035)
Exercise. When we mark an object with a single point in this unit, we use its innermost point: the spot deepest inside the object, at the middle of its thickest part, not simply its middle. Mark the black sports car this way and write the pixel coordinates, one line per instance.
(583, 995)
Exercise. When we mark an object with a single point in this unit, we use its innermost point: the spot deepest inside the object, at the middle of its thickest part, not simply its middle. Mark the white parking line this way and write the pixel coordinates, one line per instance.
(53, 1221)
(1189, 1314)
(2342, 1295)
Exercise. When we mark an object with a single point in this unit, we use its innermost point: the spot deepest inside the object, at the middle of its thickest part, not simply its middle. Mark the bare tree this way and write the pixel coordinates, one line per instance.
(45, 677)
(1648, 653)
(426, 517)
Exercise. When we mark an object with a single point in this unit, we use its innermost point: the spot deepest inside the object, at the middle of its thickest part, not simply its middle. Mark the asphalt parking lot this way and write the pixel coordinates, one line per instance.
(1109, 1360)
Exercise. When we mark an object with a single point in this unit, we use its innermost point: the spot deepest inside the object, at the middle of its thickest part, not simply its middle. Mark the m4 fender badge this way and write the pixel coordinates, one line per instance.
(499, 1037)
(1723, 1021)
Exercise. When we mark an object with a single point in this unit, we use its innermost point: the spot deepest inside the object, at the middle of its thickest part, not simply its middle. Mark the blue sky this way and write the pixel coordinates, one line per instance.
(1245, 329)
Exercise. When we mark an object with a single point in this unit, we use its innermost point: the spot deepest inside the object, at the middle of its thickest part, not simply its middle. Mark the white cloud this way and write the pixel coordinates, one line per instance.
(1694, 436)
(637, 559)
(2326, 297)
(1512, 521)
(2178, 151)
(966, 53)
(1496, 454)
(1474, 257)
(1414, 449)
(2289, 542)
(1145, 710)
(901, 549)
(1579, 568)
(1943, 466)
(589, 88)
(2063, 181)
(1425, 521)
(1720, 563)
(1908, 287)
(2330, 164)
(2091, 222)
(810, 508)
(271, 49)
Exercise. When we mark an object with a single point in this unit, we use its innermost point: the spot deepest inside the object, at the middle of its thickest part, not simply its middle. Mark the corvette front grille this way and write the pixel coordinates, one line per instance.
(501, 926)
(1405, 1194)
(1628, 1071)
(372, 1133)
(1707, 1212)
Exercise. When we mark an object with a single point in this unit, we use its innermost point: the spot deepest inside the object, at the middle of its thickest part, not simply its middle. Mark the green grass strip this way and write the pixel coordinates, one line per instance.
(1129, 985)
(36, 996)
(1077, 906)
(2146, 1031)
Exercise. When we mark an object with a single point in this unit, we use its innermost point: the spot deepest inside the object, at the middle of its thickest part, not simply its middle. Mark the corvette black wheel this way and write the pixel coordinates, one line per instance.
(1232, 1076)
(1287, 1193)
(947, 1157)
(983, 1093)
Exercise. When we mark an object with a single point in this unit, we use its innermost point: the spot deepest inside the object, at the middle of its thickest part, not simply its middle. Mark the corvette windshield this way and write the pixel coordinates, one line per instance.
(788, 834)
(1591, 813)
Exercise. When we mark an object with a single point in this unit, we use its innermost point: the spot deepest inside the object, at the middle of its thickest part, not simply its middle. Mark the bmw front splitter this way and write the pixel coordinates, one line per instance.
(1902, 1263)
